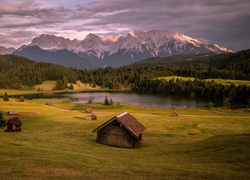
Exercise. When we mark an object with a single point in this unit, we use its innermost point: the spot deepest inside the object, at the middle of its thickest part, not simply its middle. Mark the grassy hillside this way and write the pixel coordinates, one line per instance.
(59, 144)
(220, 81)
(239, 61)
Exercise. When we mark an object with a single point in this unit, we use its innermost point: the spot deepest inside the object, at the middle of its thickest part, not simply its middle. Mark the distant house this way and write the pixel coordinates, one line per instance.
(175, 113)
(13, 112)
(122, 131)
(49, 104)
(88, 110)
(91, 117)
(13, 125)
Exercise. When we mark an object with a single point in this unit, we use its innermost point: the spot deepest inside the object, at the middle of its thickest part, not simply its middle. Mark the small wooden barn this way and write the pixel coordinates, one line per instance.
(13, 125)
(91, 117)
(175, 113)
(13, 112)
(122, 131)
(49, 104)
(89, 110)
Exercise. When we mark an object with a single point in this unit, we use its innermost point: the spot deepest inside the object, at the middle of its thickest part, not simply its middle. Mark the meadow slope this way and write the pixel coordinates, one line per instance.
(59, 144)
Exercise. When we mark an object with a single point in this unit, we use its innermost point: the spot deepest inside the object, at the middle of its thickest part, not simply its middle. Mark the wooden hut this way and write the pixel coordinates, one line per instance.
(13, 125)
(49, 104)
(175, 113)
(13, 112)
(122, 131)
(91, 117)
(88, 110)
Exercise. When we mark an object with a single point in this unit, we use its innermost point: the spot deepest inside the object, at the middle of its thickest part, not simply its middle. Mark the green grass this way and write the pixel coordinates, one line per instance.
(56, 144)
(221, 81)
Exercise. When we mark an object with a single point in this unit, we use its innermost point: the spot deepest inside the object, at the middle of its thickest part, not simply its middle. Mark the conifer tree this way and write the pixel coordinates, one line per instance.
(106, 101)
(6, 97)
(111, 102)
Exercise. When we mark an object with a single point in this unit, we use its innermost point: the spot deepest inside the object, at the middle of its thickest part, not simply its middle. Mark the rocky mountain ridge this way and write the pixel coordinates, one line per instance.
(137, 45)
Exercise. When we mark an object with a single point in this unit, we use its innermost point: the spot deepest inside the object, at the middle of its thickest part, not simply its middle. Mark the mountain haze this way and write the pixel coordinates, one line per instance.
(117, 50)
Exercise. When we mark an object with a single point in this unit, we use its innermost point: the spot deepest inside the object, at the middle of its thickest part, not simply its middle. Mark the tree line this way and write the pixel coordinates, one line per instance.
(21, 73)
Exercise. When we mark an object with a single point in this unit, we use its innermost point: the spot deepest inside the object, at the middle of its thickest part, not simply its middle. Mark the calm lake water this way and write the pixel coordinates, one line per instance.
(150, 100)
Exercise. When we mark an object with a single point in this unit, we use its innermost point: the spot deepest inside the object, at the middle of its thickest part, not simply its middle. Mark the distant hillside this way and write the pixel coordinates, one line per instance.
(20, 73)
(62, 57)
(239, 61)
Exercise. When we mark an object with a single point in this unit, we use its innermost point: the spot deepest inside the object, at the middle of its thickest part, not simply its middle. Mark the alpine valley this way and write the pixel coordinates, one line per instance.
(94, 51)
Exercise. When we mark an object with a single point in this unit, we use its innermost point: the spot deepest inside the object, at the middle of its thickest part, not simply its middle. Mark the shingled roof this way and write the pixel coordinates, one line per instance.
(15, 121)
(128, 121)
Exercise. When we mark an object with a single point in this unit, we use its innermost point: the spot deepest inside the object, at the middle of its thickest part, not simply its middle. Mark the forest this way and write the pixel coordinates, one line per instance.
(21, 73)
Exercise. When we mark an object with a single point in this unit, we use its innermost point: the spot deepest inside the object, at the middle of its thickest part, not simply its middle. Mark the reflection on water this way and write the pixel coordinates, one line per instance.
(150, 100)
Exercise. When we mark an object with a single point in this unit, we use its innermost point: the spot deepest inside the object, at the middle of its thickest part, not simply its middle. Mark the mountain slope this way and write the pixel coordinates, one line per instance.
(62, 57)
(137, 45)
(4, 50)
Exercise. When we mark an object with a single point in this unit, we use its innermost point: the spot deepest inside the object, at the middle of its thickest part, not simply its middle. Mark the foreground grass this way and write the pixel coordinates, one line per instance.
(57, 144)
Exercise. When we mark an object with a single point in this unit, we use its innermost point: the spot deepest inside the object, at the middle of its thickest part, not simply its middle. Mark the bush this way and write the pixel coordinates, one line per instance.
(118, 104)
(173, 107)
(111, 102)
(6, 97)
(90, 101)
(21, 98)
(210, 105)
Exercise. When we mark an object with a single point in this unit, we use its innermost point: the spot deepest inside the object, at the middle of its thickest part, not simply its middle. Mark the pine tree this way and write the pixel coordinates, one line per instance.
(2, 121)
(106, 101)
(111, 102)
(6, 97)
(210, 105)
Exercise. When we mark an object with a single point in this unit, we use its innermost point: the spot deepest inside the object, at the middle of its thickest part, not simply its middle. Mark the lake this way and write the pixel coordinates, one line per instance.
(150, 100)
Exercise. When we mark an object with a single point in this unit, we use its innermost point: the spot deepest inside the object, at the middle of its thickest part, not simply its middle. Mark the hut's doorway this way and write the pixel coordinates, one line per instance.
(9, 126)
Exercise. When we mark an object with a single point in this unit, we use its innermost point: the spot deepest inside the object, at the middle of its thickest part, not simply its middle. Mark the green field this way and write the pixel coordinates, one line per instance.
(57, 143)
(221, 81)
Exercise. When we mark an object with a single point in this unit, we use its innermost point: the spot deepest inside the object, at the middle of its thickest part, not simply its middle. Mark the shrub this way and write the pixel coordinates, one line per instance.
(90, 101)
(173, 107)
(21, 98)
(210, 105)
(111, 102)
(6, 97)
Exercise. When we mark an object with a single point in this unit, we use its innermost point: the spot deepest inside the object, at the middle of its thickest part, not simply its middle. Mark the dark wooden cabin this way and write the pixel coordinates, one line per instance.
(13, 125)
(13, 112)
(122, 131)
(91, 117)
(88, 110)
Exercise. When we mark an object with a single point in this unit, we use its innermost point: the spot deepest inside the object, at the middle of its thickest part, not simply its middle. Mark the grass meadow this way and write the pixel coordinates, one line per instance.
(220, 81)
(57, 143)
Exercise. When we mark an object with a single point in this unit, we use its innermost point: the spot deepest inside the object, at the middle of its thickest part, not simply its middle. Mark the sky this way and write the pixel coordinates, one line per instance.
(223, 22)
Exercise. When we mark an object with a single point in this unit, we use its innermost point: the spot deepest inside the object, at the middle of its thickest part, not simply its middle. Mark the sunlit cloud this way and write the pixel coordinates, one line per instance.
(223, 22)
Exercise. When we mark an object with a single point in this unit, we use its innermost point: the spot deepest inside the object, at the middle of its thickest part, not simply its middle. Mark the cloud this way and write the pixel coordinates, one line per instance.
(225, 22)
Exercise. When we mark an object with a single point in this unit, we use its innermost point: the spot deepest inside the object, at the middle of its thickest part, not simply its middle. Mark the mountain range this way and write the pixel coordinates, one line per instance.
(115, 51)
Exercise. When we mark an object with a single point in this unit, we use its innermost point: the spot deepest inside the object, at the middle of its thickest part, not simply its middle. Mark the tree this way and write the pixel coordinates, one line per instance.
(71, 86)
(210, 105)
(2, 121)
(106, 101)
(6, 97)
(21, 98)
(111, 102)
(226, 103)
(90, 101)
